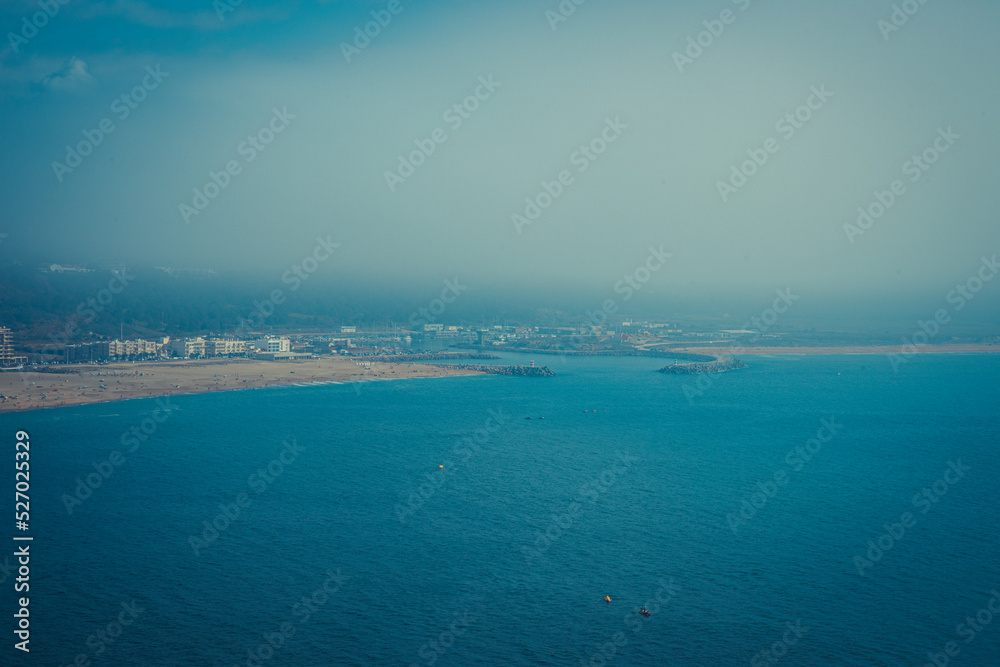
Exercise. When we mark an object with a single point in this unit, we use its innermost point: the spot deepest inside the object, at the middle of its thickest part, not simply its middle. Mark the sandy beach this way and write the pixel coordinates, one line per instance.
(90, 383)
(967, 348)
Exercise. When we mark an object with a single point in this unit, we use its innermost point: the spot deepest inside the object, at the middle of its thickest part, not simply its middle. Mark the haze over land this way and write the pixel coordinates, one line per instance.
(875, 98)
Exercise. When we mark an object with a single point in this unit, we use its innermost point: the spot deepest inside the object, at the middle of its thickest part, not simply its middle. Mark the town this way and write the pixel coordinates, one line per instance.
(623, 337)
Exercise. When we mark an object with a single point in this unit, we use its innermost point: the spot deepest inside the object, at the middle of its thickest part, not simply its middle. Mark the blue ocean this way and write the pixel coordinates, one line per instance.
(806, 510)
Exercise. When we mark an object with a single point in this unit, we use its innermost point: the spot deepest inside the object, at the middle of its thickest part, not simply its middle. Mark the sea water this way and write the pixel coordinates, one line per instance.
(806, 510)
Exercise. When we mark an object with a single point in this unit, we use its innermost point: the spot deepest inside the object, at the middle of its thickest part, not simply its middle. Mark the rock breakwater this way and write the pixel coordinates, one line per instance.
(528, 371)
(719, 365)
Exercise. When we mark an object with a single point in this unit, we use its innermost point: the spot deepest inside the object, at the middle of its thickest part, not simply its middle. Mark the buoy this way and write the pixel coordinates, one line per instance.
(440, 467)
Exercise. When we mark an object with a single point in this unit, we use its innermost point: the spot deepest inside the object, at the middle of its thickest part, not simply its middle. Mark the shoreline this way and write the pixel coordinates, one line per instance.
(88, 384)
(957, 348)
(735, 351)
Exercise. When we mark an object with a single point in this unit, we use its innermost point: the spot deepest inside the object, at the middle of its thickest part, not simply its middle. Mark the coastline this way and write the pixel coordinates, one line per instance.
(958, 348)
(691, 351)
(80, 384)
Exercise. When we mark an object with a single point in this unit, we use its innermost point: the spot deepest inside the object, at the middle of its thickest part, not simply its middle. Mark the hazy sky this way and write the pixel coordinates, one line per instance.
(678, 129)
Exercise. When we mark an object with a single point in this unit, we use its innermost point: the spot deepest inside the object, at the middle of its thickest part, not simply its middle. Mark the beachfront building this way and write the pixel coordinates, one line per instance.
(6, 347)
(7, 359)
(281, 356)
(225, 347)
(278, 349)
(188, 347)
(76, 354)
(130, 348)
(111, 349)
(277, 345)
(121, 349)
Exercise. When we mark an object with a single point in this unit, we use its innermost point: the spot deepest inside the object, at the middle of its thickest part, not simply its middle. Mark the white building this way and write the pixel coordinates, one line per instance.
(188, 347)
(224, 347)
(278, 345)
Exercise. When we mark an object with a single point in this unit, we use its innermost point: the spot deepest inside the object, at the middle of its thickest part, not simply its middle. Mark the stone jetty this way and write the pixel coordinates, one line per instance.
(527, 371)
(423, 356)
(718, 365)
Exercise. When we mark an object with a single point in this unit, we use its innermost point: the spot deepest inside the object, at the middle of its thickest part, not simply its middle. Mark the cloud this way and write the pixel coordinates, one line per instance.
(71, 78)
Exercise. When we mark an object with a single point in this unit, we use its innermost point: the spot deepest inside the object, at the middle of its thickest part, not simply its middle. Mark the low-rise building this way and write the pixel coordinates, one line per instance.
(188, 347)
(111, 349)
(281, 356)
(278, 345)
(225, 347)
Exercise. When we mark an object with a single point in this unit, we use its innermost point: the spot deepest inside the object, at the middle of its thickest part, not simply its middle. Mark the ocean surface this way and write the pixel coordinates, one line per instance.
(761, 516)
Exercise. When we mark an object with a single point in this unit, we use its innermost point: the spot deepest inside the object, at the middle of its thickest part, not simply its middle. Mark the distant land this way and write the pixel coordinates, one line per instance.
(46, 303)
(198, 321)
(59, 385)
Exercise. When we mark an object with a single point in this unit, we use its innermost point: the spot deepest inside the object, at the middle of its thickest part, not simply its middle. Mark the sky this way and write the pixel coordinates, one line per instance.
(638, 129)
